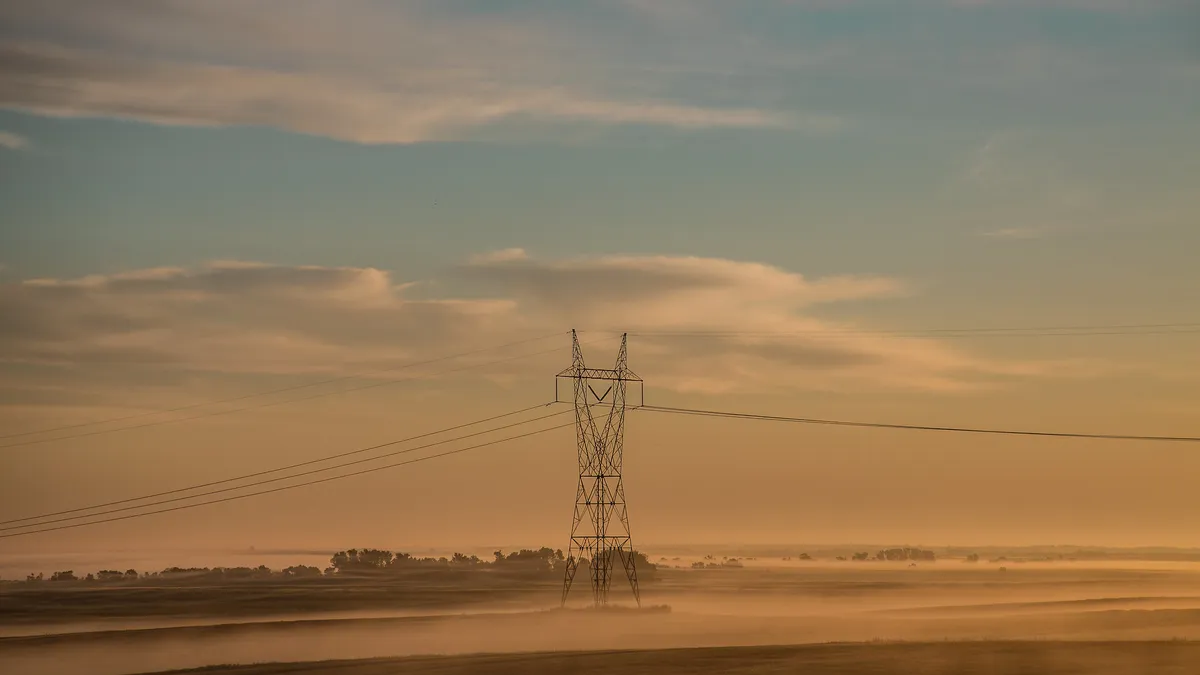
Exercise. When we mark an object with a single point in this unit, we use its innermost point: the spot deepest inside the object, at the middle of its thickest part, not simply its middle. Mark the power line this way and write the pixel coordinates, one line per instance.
(970, 329)
(291, 400)
(898, 334)
(914, 427)
(268, 471)
(278, 391)
(297, 475)
(1036, 331)
(288, 487)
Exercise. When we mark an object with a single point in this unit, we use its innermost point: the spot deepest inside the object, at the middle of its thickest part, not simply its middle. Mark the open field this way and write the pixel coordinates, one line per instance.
(52, 607)
(977, 658)
(1133, 617)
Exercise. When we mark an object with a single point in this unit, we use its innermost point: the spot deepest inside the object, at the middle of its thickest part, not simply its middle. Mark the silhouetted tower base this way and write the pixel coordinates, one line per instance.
(600, 538)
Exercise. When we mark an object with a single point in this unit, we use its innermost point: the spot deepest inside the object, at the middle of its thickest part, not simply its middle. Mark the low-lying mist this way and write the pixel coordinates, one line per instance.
(710, 607)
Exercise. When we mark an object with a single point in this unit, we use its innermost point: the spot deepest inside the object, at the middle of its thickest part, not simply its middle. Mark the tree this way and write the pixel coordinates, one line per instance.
(301, 572)
(639, 559)
(543, 559)
(901, 554)
(67, 575)
(973, 558)
(360, 561)
(646, 570)
(862, 556)
(189, 572)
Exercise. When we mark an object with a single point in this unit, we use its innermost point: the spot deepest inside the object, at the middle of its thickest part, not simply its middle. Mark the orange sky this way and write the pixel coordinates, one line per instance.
(688, 479)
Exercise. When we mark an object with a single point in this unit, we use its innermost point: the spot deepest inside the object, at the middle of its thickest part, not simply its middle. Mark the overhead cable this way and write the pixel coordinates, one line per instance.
(288, 477)
(1025, 331)
(270, 471)
(285, 401)
(915, 427)
(281, 390)
(286, 487)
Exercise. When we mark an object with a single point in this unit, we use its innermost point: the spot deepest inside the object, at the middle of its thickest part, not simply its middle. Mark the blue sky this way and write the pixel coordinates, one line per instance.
(758, 130)
(298, 182)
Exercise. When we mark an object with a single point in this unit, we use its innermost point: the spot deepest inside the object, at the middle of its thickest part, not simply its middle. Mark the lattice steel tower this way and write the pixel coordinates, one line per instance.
(600, 529)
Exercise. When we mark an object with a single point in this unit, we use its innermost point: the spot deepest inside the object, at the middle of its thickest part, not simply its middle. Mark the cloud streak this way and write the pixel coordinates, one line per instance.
(251, 318)
(367, 74)
(408, 108)
(420, 70)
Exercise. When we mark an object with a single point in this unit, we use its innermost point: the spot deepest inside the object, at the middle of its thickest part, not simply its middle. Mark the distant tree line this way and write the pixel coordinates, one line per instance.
(711, 562)
(894, 554)
(906, 554)
(374, 561)
(353, 562)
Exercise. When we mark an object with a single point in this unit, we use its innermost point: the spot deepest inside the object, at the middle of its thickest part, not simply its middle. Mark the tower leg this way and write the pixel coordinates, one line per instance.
(628, 562)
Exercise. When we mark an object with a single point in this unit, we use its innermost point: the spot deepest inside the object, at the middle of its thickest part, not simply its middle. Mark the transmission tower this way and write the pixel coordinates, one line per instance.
(600, 536)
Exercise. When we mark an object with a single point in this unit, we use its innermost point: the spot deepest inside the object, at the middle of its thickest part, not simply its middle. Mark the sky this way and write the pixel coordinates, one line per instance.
(784, 202)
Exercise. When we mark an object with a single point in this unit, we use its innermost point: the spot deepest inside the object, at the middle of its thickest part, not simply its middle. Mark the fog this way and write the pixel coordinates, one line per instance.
(764, 605)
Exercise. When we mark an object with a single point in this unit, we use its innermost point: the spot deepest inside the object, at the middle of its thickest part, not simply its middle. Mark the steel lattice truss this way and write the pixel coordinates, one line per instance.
(600, 538)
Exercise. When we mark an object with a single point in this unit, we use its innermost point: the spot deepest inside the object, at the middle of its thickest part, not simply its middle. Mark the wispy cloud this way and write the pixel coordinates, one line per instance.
(359, 71)
(11, 141)
(421, 70)
(501, 256)
(748, 324)
(408, 108)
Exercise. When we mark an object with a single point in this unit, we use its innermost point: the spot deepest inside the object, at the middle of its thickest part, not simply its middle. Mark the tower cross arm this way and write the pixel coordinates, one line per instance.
(625, 375)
